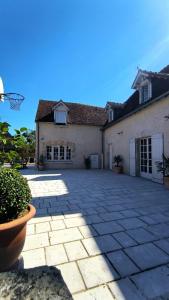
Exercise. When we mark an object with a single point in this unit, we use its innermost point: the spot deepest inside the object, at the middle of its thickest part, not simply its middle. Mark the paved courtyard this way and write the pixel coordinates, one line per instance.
(107, 233)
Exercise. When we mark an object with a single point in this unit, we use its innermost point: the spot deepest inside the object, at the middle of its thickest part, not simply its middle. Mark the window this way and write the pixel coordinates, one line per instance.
(49, 152)
(146, 155)
(110, 115)
(68, 153)
(58, 153)
(60, 117)
(62, 152)
(144, 93)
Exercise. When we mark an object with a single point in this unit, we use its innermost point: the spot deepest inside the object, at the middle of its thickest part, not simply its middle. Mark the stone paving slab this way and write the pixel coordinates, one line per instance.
(154, 284)
(34, 258)
(42, 227)
(96, 270)
(163, 244)
(36, 241)
(160, 230)
(100, 244)
(131, 223)
(30, 229)
(87, 231)
(124, 289)
(141, 235)
(55, 255)
(108, 227)
(99, 293)
(124, 239)
(57, 224)
(89, 212)
(72, 277)
(122, 263)
(65, 235)
(147, 256)
(75, 250)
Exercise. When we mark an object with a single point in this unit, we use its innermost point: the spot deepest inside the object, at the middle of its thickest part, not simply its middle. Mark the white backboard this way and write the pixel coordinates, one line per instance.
(1, 89)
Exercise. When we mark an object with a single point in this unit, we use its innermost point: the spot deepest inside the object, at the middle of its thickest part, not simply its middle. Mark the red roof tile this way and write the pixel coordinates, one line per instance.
(78, 113)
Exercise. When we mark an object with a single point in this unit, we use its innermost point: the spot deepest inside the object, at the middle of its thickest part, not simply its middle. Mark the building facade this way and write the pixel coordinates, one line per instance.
(137, 129)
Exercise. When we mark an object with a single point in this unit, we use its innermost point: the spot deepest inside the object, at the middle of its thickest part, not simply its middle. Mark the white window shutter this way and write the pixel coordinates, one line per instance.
(157, 152)
(133, 157)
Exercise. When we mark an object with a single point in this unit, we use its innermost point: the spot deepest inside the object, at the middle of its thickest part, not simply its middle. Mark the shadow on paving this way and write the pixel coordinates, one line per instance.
(102, 219)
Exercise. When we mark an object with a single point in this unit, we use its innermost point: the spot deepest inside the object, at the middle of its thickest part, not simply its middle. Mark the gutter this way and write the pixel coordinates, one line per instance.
(136, 110)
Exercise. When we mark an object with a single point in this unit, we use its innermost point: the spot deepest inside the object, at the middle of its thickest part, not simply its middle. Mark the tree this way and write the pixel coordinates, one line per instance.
(24, 142)
(4, 140)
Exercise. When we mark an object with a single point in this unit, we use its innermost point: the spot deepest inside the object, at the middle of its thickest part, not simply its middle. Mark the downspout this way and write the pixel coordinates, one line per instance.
(37, 161)
(102, 149)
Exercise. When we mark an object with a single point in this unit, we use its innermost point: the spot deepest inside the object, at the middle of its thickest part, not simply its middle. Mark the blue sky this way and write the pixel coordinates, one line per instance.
(83, 51)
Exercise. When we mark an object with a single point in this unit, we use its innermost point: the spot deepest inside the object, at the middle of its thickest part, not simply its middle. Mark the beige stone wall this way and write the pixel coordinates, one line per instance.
(147, 122)
(83, 139)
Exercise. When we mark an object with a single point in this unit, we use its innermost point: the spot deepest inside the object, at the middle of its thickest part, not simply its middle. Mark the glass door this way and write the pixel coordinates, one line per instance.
(146, 157)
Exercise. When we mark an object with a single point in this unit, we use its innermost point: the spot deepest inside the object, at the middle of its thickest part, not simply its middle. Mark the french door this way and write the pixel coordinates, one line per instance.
(146, 157)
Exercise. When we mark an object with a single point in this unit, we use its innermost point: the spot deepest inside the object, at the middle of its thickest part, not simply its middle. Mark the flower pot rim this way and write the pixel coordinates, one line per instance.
(19, 221)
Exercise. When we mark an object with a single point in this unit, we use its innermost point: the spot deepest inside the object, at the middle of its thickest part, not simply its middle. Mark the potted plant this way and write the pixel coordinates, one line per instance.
(163, 167)
(117, 167)
(87, 162)
(15, 212)
(41, 164)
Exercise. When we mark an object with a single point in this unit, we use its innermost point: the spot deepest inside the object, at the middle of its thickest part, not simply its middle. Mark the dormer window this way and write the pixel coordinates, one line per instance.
(143, 84)
(110, 115)
(60, 117)
(60, 113)
(145, 91)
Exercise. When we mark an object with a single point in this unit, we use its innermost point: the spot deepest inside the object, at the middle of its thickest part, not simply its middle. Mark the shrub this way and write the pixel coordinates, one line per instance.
(117, 160)
(163, 166)
(15, 195)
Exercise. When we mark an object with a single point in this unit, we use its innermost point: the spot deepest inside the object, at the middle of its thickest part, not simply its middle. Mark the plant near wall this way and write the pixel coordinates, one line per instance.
(117, 160)
(117, 167)
(163, 166)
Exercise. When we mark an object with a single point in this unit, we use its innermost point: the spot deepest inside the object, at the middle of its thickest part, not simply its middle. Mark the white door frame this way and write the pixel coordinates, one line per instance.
(146, 161)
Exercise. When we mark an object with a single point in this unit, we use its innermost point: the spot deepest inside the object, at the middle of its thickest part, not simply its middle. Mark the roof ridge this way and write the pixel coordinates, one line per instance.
(74, 103)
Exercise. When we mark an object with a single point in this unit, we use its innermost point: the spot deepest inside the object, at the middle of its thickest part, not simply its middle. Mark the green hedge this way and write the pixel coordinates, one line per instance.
(15, 194)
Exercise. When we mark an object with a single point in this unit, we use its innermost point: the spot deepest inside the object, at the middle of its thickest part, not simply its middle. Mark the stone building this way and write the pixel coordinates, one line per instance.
(137, 129)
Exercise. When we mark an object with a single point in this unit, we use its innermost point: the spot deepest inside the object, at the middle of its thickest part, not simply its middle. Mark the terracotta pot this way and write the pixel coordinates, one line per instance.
(118, 170)
(166, 182)
(12, 239)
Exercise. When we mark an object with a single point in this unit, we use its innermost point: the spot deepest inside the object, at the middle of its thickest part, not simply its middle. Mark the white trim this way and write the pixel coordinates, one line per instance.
(61, 103)
(136, 82)
(142, 84)
(52, 154)
(110, 115)
(62, 119)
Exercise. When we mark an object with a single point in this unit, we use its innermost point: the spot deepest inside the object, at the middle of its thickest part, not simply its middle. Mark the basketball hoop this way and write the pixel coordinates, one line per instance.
(14, 99)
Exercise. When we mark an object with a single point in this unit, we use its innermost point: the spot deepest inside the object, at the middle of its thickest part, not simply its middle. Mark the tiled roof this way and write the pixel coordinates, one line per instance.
(78, 113)
(160, 85)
